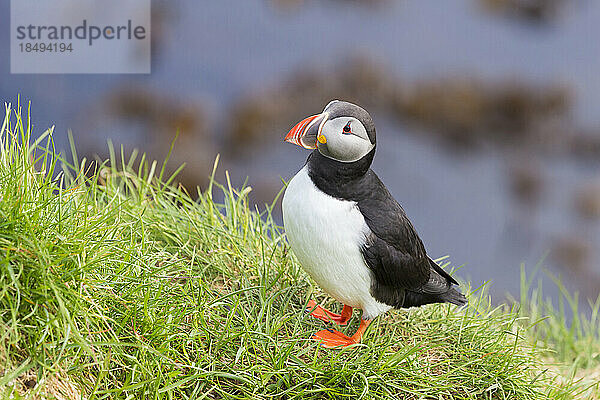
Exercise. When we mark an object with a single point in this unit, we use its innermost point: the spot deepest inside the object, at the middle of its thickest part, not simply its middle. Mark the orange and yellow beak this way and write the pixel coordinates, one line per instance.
(307, 132)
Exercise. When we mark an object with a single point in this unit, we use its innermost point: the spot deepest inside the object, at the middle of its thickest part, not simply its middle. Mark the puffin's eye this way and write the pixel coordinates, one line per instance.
(347, 129)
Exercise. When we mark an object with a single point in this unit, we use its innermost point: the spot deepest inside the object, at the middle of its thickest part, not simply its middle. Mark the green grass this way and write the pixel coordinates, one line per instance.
(114, 283)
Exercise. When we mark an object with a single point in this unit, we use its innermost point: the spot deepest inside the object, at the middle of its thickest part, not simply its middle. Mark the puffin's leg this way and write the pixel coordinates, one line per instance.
(328, 316)
(330, 338)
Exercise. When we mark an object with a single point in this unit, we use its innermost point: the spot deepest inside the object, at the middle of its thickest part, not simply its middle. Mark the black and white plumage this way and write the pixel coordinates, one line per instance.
(346, 229)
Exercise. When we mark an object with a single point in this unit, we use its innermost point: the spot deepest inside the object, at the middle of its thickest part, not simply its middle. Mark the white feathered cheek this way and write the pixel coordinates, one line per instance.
(345, 139)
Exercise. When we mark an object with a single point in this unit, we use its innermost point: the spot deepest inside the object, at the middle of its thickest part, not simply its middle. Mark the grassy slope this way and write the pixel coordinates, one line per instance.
(121, 286)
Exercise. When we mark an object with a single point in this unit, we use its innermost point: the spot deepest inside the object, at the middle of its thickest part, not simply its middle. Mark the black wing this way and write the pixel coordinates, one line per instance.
(404, 275)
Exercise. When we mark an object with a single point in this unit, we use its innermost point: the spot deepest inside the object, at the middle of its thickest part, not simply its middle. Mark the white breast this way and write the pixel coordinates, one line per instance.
(326, 235)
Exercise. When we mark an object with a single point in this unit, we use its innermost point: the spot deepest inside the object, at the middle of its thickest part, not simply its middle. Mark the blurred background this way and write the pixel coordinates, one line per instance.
(486, 113)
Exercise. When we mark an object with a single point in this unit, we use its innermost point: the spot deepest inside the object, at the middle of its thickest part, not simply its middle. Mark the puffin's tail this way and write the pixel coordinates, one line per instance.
(454, 296)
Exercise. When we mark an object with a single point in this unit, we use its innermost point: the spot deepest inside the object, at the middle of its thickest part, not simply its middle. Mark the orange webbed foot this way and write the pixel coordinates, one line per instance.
(330, 338)
(328, 316)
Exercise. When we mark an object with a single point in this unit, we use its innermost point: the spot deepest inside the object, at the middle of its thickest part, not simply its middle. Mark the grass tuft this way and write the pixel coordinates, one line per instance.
(116, 284)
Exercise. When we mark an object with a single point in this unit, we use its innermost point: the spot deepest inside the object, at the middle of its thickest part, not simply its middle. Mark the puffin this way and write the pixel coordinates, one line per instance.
(348, 232)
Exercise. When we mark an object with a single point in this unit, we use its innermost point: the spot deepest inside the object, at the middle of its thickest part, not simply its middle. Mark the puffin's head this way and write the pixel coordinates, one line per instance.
(343, 131)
